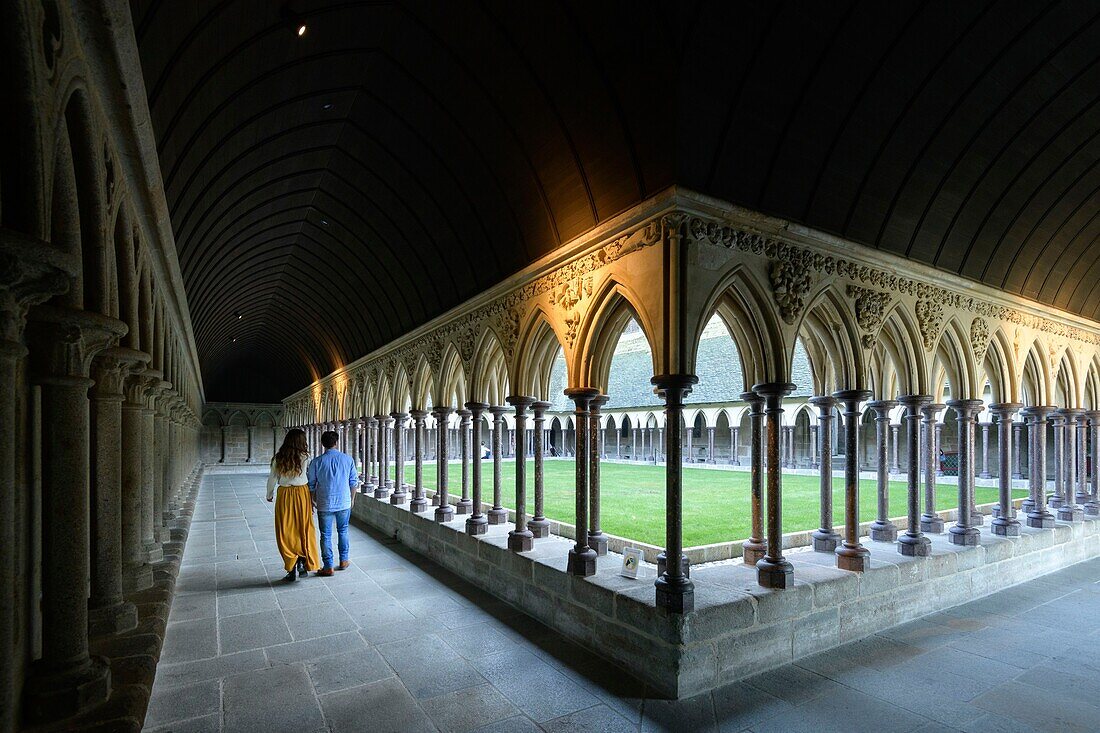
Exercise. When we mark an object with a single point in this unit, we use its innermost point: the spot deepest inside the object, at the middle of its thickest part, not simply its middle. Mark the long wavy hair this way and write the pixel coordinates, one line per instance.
(291, 457)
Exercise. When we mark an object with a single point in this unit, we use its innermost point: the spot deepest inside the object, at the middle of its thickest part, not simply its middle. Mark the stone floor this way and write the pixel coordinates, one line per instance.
(394, 644)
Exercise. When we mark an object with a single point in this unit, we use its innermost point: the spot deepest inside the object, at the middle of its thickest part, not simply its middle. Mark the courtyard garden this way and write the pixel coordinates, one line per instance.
(716, 502)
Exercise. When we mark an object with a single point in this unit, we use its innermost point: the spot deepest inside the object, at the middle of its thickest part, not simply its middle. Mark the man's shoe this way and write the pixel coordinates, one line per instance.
(344, 565)
(291, 576)
(302, 568)
(325, 572)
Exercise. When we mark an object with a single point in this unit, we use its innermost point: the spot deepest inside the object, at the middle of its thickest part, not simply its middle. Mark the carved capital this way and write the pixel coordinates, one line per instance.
(64, 340)
(31, 272)
(111, 369)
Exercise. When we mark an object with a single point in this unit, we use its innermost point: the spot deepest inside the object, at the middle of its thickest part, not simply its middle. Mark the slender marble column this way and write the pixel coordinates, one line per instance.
(985, 452)
(419, 503)
(634, 445)
(65, 679)
(825, 537)
(1017, 472)
(1081, 495)
(851, 555)
(930, 521)
(444, 512)
(710, 445)
(735, 441)
(498, 514)
(225, 429)
(108, 611)
(1057, 422)
(370, 479)
(1005, 523)
(618, 444)
(1092, 506)
(674, 589)
(597, 540)
(539, 524)
(1070, 510)
(465, 503)
(814, 463)
(754, 548)
(477, 523)
(939, 446)
(689, 430)
(963, 532)
(399, 495)
(913, 543)
(895, 432)
(582, 558)
(773, 570)
(521, 539)
(382, 488)
(882, 529)
(1038, 516)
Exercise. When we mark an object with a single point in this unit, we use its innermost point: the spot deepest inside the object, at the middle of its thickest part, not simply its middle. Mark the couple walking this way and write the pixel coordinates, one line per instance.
(325, 484)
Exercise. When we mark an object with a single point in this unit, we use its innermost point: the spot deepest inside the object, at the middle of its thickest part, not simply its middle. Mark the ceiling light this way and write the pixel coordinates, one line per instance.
(324, 222)
(301, 30)
(239, 316)
(326, 106)
(234, 339)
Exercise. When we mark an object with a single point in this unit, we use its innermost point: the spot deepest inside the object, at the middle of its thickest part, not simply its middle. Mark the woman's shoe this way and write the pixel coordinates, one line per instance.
(302, 568)
(291, 576)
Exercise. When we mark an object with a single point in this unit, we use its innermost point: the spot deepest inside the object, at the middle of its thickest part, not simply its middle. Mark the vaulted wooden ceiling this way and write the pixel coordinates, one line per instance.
(333, 190)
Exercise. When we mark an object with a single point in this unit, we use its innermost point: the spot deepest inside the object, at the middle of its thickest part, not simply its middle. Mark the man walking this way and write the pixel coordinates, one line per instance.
(332, 481)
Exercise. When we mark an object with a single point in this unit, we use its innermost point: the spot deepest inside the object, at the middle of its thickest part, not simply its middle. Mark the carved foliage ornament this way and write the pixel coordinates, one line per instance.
(790, 285)
(929, 320)
(979, 336)
(870, 308)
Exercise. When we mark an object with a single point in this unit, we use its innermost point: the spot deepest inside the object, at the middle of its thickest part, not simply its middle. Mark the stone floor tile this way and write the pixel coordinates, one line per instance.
(311, 649)
(325, 619)
(993, 723)
(598, 719)
(188, 640)
(464, 710)
(844, 710)
(533, 686)
(385, 633)
(191, 701)
(690, 715)
(239, 603)
(185, 673)
(380, 707)
(482, 640)
(252, 631)
(793, 684)
(740, 706)
(428, 667)
(192, 606)
(350, 669)
(518, 724)
(277, 699)
(205, 724)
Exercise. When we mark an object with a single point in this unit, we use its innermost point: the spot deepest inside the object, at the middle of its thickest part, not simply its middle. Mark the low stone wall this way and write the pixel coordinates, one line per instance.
(737, 629)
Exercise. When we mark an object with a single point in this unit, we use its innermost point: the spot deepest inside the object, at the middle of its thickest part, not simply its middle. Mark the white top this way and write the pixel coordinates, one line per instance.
(274, 478)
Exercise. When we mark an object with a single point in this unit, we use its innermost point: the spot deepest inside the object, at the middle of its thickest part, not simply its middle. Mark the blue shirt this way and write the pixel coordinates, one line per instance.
(332, 477)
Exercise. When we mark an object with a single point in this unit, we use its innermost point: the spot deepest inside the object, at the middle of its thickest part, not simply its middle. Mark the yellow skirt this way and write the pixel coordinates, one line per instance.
(294, 532)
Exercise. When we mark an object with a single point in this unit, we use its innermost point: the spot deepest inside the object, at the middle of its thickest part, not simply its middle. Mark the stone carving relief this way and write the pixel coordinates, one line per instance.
(979, 337)
(929, 319)
(790, 285)
(870, 306)
(51, 33)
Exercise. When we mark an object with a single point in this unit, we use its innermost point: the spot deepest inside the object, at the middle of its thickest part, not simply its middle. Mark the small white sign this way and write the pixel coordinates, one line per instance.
(632, 561)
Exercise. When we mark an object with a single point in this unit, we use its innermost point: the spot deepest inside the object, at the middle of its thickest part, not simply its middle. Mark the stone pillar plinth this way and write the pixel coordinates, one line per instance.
(851, 555)
(825, 538)
(754, 548)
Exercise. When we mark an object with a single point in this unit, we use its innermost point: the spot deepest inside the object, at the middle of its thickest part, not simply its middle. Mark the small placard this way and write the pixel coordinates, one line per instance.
(632, 561)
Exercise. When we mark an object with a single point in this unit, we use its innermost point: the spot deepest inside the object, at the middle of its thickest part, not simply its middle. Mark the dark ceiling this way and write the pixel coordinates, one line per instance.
(338, 189)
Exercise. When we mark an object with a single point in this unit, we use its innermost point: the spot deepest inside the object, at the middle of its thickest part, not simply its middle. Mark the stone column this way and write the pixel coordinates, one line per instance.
(895, 433)
(710, 445)
(498, 514)
(597, 540)
(939, 445)
(1038, 516)
(137, 574)
(370, 480)
(735, 441)
(1057, 422)
(444, 512)
(419, 503)
(813, 447)
(521, 539)
(1081, 495)
(618, 443)
(1005, 523)
(634, 448)
(225, 429)
(464, 504)
(851, 555)
(754, 548)
(353, 441)
(791, 449)
(539, 524)
(913, 543)
(963, 532)
(399, 495)
(930, 521)
(582, 558)
(825, 538)
(1070, 510)
(150, 520)
(1092, 506)
(477, 523)
(674, 589)
(65, 680)
(882, 529)
(108, 611)
(382, 488)
(773, 570)
(985, 452)
(248, 441)
(1017, 473)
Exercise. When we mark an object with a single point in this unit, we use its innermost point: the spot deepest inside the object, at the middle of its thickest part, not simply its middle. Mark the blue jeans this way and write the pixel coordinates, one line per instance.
(324, 521)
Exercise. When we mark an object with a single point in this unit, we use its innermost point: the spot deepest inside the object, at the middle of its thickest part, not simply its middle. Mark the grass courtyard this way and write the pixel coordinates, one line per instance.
(716, 503)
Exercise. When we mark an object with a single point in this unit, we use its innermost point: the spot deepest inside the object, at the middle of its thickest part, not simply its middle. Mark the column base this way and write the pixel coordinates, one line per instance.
(381, 492)
(136, 577)
(1071, 513)
(399, 497)
(477, 524)
(985, 474)
(497, 516)
(1054, 501)
(435, 499)
(152, 552)
(931, 524)
(662, 565)
(1027, 506)
(977, 519)
(418, 505)
(965, 536)
(540, 527)
(884, 531)
(1016, 476)
(598, 542)
(1040, 520)
(113, 619)
(677, 596)
(1005, 527)
(1092, 509)
(917, 545)
(857, 559)
(995, 511)
(582, 563)
(521, 541)
(1081, 499)
(444, 513)
(50, 696)
(774, 573)
(752, 551)
(464, 506)
(367, 488)
(825, 541)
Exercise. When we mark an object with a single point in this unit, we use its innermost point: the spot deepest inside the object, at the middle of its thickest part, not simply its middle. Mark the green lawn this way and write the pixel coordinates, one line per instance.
(716, 503)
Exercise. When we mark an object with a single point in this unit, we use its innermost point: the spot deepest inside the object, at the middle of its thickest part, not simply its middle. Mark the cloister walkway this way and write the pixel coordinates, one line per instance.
(394, 643)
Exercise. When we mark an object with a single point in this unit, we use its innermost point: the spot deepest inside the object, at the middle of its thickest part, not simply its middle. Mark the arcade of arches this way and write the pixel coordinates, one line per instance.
(146, 284)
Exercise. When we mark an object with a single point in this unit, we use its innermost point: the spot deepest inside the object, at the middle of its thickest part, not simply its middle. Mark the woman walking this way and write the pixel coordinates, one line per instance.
(294, 508)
